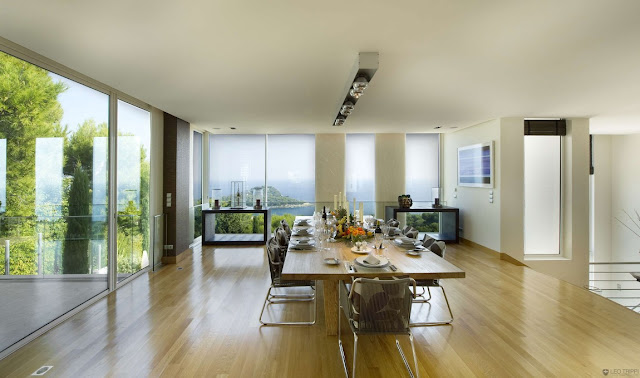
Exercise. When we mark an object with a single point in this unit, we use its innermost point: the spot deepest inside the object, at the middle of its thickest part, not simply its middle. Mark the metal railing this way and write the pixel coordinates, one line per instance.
(36, 247)
(613, 280)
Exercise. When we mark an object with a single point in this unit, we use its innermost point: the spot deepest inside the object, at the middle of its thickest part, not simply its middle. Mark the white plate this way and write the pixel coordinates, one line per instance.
(303, 242)
(413, 252)
(383, 262)
(362, 250)
(331, 261)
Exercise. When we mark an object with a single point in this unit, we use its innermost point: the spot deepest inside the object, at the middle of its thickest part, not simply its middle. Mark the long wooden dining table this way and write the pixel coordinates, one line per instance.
(310, 265)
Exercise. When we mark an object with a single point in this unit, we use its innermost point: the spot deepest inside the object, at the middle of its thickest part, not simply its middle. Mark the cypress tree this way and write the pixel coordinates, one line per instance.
(75, 259)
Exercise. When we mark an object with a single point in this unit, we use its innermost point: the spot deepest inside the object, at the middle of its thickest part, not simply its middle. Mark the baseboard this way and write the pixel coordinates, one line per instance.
(502, 256)
(178, 258)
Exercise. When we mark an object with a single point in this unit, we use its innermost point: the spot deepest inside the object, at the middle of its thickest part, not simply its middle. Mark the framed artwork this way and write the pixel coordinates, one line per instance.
(475, 165)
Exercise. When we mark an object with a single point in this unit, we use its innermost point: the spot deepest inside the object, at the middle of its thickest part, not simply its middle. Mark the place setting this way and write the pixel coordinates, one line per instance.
(303, 244)
(302, 231)
(303, 222)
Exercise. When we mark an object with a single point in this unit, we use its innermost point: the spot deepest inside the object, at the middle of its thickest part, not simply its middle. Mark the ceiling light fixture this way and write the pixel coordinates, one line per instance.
(361, 75)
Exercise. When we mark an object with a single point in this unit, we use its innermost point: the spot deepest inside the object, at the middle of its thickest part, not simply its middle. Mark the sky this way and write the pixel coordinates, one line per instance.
(81, 103)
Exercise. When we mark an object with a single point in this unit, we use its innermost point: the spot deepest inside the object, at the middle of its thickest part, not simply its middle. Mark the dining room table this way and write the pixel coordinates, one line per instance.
(310, 264)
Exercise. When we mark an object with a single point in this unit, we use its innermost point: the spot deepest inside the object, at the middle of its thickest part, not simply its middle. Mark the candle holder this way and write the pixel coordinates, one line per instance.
(215, 197)
(435, 194)
(237, 195)
(257, 198)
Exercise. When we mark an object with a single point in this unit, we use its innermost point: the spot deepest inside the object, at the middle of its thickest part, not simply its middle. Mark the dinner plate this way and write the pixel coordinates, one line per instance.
(383, 262)
(413, 252)
(362, 250)
(331, 261)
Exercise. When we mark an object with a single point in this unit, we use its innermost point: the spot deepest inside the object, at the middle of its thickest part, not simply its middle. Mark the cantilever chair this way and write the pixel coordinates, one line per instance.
(276, 254)
(439, 249)
(374, 306)
(285, 226)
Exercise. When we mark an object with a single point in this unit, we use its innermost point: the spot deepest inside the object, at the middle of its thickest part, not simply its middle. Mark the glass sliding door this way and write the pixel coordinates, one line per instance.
(52, 145)
(133, 168)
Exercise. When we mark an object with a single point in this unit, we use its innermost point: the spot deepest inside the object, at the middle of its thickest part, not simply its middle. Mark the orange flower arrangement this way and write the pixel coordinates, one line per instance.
(356, 234)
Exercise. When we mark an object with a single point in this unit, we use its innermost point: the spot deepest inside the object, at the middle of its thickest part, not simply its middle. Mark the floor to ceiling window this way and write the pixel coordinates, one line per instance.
(291, 175)
(360, 170)
(542, 194)
(422, 174)
(134, 146)
(53, 159)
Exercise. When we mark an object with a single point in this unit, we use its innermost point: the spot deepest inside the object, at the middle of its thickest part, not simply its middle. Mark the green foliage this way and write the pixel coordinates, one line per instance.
(275, 220)
(75, 259)
(424, 222)
(29, 109)
(234, 223)
(78, 148)
(23, 257)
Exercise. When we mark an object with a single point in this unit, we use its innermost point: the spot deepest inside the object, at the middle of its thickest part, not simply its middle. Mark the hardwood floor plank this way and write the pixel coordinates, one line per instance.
(202, 320)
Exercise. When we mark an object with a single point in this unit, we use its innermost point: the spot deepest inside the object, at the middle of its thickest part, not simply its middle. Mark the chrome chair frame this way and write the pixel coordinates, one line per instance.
(275, 266)
(355, 332)
(420, 298)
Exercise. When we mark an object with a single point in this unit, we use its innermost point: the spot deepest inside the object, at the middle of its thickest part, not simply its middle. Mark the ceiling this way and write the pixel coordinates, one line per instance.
(282, 66)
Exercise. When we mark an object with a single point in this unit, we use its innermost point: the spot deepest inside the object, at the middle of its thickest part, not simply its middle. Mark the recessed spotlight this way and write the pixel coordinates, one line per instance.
(216, 128)
(453, 127)
(438, 127)
(232, 128)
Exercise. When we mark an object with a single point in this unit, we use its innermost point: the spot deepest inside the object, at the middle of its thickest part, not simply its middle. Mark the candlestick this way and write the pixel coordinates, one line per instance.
(354, 207)
(335, 201)
(347, 203)
(361, 212)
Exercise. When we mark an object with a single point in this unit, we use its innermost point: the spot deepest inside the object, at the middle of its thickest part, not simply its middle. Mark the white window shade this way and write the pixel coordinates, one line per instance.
(542, 195)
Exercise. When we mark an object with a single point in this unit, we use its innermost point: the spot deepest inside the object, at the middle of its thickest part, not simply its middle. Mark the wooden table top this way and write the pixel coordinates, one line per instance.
(310, 265)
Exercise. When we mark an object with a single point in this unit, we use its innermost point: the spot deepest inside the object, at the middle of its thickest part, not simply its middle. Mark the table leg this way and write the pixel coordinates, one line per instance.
(331, 306)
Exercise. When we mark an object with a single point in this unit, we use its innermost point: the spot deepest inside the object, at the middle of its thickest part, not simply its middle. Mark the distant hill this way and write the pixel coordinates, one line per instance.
(276, 199)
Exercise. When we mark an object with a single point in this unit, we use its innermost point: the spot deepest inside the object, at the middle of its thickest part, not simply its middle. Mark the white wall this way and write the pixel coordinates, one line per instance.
(625, 196)
(156, 205)
(479, 219)
(499, 225)
(602, 218)
(512, 187)
(573, 266)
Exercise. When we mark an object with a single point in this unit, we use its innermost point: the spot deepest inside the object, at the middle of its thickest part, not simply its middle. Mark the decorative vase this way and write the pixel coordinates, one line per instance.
(405, 201)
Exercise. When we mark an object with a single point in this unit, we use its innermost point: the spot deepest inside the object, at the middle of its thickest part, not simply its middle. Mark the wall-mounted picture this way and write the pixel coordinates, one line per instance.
(475, 165)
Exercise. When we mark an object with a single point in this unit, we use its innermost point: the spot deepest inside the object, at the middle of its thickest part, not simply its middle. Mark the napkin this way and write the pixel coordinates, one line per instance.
(372, 260)
(412, 233)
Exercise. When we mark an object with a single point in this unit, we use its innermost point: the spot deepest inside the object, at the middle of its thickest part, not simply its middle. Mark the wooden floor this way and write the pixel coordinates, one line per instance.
(202, 320)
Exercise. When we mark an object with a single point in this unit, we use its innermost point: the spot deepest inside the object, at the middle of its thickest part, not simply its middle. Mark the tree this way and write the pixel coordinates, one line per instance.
(29, 109)
(75, 259)
(78, 148)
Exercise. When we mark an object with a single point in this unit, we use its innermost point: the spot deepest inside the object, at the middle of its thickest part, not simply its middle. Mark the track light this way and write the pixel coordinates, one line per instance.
(363, 72)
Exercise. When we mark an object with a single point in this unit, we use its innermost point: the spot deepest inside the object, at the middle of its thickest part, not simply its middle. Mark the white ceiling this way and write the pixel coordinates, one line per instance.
(282, 66)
